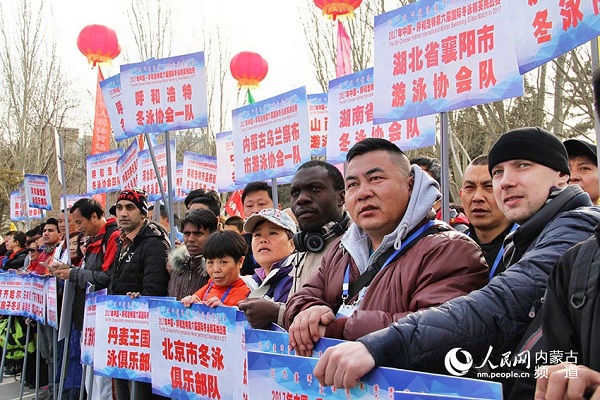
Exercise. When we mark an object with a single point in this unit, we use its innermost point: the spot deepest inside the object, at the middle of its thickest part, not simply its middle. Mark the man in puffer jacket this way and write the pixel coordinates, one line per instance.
(140, 265)
(530, 173)
(423, 262)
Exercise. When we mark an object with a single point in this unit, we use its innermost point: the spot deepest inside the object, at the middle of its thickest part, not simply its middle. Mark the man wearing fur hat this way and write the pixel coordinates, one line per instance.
(140, 263)
(530, 174)
(395, 259)
(186, 263)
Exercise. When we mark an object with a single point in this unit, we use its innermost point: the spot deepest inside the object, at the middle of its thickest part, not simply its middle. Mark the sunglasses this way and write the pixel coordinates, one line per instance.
(34, 250)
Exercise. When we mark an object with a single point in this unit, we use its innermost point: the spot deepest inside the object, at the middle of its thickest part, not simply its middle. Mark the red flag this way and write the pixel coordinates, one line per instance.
(102, 129)
(343, 59)
(234, 204)
(100, 198)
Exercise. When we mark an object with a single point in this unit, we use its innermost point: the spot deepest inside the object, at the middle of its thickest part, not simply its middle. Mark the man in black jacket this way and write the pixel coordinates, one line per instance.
(101, 248)
(530, 172)
(140, 264)
(15, 257)
(571, 321)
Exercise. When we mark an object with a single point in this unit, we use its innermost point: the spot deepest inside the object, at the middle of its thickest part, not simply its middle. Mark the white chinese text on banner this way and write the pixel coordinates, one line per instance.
(102, 172)
(226, 163)
(434, 56)
(317, 119)
(543, 30)
(127, 165)
(37, 191)
(199, 172)
(350, 108)
(147, 175)
(164, 95)
(271, 137)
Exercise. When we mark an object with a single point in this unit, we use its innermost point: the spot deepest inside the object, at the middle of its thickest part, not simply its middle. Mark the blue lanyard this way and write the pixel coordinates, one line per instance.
(222, 297)
(417, 233)
(500, 253)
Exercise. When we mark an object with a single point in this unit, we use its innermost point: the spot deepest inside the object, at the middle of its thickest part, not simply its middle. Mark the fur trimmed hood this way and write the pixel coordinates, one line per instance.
(181, 261)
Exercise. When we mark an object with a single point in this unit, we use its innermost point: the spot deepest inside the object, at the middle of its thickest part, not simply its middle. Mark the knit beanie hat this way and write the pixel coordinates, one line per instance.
(136, 196)
(533, 144)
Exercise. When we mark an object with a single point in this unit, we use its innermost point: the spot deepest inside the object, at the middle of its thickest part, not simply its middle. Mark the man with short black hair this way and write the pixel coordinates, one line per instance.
(33, 233)
(186, 264)
(206, 203)
(163, 220)
(487, 224)
(192, 195)
(140, 264)
(234, 223)
(88, 215)
(430, 165)
(257, 196)
(530, 171)
(317, 197)
(51, 239)
(457, 219)
(393, 260)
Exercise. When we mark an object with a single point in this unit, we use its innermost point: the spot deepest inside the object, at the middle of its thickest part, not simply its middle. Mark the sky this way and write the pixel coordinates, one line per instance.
(269, 27)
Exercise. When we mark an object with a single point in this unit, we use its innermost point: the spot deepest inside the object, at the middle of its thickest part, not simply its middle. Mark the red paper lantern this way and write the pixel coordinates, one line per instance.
(338, 8)
(248, 69)
(98, 43)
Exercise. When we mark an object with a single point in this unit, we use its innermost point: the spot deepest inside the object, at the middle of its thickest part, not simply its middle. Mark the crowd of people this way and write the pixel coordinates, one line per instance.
(364, 257)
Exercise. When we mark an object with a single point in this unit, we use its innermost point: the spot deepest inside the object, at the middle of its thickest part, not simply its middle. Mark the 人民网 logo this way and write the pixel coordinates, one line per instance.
(455, 366)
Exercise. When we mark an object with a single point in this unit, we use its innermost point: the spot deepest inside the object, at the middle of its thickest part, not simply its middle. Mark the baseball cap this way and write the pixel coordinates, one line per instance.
(273, 215)
(576, 147)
